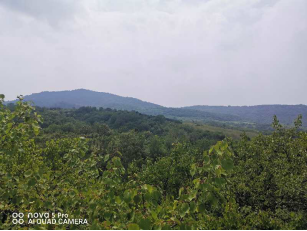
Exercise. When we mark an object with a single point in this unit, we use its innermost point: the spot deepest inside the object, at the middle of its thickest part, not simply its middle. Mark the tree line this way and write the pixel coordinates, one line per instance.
(125, 170)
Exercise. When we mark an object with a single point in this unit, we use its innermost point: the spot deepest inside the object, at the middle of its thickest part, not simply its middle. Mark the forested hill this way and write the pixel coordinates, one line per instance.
(81, 97)
(124, 170)
(84, 98)
(261, 114)
(246, 116)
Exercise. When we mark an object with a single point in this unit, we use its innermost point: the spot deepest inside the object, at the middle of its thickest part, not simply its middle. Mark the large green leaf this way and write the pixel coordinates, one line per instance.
(145, 224)
(227, 164)
(184, 208)
(133, 226)
(28, 173)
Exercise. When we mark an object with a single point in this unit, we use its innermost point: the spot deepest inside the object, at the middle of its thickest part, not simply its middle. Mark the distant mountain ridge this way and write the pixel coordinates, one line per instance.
(261, 114)
(82, 97)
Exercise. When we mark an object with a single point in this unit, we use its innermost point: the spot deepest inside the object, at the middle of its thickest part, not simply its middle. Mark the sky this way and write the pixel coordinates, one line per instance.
(169, 52)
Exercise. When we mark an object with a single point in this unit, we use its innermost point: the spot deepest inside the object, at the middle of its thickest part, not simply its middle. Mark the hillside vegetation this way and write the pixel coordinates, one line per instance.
(125, 170)
(248, 117)
(233, 133)
(261, 114)
(82, 97)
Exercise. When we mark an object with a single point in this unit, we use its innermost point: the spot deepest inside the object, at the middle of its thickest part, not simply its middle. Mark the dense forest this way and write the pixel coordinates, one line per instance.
(246, 117)
(81, 97)
(126, 170)
(261, 114)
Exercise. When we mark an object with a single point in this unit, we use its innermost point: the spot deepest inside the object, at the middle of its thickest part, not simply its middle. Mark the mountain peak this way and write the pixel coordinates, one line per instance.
(84, 97)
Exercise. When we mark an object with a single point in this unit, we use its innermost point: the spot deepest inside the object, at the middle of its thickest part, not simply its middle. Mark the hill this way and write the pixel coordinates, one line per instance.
(126, 170)
(261, 114)
(251, 117)
(81, 97)
(84, 98)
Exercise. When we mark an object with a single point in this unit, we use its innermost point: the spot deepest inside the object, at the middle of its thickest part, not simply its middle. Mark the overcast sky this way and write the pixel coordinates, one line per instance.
(169, 52)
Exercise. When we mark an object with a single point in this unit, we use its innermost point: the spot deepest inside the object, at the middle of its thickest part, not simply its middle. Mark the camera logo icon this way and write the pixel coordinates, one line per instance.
(17, 218)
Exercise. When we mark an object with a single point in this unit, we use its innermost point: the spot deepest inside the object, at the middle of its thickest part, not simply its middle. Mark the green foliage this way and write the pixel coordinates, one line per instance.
(133, 135)
(86, 98)
(251, 117)
(156, 178)
(270, 173)
(261, 115)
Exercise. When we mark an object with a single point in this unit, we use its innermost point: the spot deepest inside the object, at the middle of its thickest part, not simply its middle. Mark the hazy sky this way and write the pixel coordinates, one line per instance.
(169, 52)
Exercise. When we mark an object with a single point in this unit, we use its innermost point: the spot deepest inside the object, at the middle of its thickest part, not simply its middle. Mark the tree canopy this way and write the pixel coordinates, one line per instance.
(124, 170)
